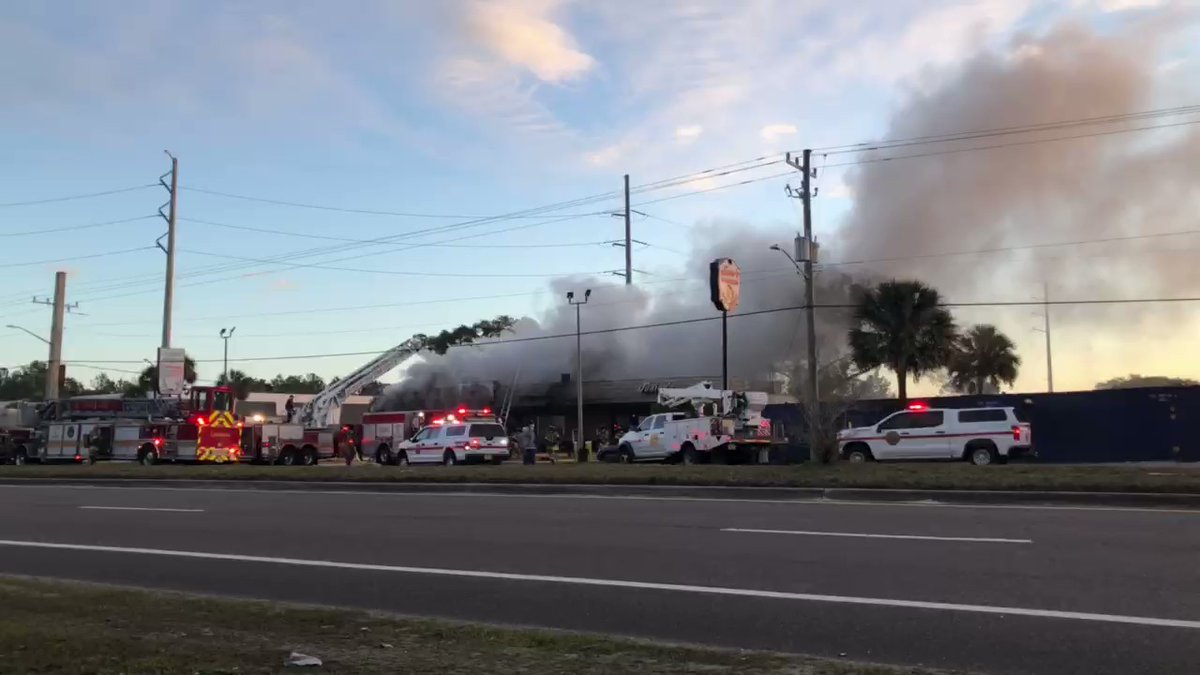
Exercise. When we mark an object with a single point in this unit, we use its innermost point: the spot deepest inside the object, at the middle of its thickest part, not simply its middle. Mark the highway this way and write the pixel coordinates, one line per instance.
(988, 589)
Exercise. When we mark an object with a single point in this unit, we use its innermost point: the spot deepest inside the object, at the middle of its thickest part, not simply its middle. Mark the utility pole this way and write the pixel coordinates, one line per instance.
(169, 290)
(628, 238)
(1046, 316)
(806, 256)
(54, 363)
(225, 335)
(578, 365)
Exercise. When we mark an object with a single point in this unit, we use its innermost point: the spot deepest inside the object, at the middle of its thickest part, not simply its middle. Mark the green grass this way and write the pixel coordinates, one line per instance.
(61, 627)
(955, 476)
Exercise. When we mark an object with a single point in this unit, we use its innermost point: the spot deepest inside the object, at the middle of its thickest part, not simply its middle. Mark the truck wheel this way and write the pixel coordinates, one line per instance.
(448, 458)
(19, 457)
(289, 457)
(497, 460)
(857, 454)
(625, 454)
(982, 454)
(310, 457)
(402, 458)
(147, 457)
(687, 454)
(384, 455)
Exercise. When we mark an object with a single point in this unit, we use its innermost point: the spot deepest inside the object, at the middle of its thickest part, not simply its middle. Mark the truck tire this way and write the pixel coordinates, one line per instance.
(383, 456)
(147, 456)
(688, 455)
(449, 458)
(309, 456)
(402, 458)
(289, 457)
(19, 457)
(857, 453)
(625, 454)
(982, 453)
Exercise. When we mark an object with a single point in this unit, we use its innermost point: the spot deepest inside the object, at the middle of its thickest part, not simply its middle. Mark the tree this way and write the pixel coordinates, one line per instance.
(841, 386)
(903, 326)
(241, 384)
(29, 382)
(147, 381)
(1135, 380)
(981, 357)
(295, 384)
(103, 384)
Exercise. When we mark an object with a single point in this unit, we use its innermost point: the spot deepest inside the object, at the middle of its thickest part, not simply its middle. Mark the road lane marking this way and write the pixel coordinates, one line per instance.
(138, 508)
(864, 535)
(798, 501)
(619, 583)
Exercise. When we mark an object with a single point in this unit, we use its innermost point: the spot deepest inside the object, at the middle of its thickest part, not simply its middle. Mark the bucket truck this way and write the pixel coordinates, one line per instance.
(721, 425)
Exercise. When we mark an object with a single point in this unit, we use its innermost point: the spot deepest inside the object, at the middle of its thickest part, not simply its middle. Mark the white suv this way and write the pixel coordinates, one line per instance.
(978, 435)
(455, 444)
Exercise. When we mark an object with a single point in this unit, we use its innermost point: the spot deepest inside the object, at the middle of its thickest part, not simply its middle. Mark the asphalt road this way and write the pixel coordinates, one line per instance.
(998, 590)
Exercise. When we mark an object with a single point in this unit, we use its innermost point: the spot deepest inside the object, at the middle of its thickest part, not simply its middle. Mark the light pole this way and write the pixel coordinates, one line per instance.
(225, 335)
(578, 364)
(29, 332)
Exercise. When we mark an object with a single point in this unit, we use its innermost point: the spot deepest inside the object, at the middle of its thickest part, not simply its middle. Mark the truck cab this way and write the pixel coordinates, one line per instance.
(656, 437)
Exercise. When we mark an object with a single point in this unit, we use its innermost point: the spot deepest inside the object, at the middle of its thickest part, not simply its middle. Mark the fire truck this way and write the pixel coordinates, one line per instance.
(312, 438)
(198, 428)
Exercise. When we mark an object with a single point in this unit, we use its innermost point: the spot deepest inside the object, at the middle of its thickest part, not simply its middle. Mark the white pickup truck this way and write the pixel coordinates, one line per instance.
(981, 436)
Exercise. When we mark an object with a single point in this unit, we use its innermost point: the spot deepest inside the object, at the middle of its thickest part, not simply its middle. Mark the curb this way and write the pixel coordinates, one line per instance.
(736, 493)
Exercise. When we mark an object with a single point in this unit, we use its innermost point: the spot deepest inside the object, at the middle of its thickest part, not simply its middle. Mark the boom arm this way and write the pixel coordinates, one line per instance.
(316, 412)
(696, 395)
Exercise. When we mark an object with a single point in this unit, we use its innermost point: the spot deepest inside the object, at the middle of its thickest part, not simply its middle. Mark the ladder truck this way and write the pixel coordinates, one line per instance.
(722, 425)
(311, 438)
(198, 428)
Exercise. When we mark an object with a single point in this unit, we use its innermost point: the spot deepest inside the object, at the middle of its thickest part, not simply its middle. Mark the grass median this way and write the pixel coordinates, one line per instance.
(1024, 477)
(62, 627)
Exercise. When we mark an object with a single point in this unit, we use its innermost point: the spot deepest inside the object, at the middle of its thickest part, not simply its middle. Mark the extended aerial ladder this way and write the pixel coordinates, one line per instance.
(743, 408)
(316, 412)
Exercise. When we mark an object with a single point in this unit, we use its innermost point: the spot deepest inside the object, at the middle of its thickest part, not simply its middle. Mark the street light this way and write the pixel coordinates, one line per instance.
(26, 330)
(578, 364)
(225, 335)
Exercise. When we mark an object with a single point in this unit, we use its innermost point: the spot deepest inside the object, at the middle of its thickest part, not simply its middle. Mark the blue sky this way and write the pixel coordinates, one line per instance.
(457, 108)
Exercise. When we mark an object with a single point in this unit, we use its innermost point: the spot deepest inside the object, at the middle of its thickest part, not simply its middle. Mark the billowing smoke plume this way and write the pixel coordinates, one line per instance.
(1109, 185)
(1104, 186)
(758, 345)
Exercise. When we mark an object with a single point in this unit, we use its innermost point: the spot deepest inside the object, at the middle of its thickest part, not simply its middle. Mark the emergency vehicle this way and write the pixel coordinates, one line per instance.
(722, 425)
(200, 428)
(457, 437)
(980, 436)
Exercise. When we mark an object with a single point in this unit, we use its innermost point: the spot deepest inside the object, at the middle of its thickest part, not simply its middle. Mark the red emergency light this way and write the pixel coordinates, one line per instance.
(462, 411)
(918, 407)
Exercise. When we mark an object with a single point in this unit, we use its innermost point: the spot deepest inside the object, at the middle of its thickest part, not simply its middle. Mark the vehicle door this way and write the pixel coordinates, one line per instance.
(657, 443)
(896, 440)
(423, 449)
(927, 435)
(641, 440)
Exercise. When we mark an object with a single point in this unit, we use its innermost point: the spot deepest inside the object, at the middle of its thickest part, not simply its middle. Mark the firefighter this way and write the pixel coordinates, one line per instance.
(290, 407)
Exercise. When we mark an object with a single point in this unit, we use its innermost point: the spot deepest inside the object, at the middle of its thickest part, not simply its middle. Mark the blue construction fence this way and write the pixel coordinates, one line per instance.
(1118, 425)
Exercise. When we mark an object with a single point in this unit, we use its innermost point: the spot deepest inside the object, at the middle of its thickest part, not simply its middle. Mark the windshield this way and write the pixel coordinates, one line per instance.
(646, 424)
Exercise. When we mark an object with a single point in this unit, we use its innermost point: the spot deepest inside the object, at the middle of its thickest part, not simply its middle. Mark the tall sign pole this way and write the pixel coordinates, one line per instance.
(725, 289)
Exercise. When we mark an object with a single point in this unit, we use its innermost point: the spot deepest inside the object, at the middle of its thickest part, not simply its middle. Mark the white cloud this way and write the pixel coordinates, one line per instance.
(522, 34)
(772, 132)
(1123, 5)
(689, 132)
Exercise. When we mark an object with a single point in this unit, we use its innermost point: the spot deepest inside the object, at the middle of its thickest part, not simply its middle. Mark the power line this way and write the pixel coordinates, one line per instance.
(78, 257)
(342, 209)
(406, 273)
(75, 227)
(682, 322)
(347, 239)
(864, 146)
(89, 195)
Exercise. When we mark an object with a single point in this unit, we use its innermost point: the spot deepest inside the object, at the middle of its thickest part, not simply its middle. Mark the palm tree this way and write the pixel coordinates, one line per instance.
(903, 326)
(982, 356)
(241, 383)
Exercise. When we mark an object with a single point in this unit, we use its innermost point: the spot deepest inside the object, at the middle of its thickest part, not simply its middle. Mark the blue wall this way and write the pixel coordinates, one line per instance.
(1120, 425)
